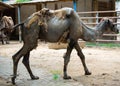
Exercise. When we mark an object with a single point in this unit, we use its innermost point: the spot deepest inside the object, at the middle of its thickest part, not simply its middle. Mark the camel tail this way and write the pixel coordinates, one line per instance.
(17, 25)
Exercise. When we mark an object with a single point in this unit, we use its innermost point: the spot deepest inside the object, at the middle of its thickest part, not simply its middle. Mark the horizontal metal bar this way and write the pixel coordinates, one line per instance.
(111, 34)
(99, 17)
(100, 40)
(112, 11)
(98, 23)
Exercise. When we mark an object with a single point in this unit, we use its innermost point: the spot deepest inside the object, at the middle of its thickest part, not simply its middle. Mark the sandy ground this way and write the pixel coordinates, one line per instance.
(104, 63)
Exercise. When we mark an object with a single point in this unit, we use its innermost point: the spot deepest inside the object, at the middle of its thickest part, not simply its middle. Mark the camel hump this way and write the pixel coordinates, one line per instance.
(67, 10)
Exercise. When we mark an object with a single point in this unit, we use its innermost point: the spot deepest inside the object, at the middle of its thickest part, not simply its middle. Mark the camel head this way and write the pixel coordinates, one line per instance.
(8, 23)
(105, 26)
(110, 26)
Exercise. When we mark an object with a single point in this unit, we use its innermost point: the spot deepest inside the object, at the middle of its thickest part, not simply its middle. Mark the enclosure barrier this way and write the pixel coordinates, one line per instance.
(96, 14)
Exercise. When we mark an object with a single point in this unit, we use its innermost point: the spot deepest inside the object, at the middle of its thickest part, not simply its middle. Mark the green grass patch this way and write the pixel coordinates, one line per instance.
(22, 1)
(109, 45)
(56, 74)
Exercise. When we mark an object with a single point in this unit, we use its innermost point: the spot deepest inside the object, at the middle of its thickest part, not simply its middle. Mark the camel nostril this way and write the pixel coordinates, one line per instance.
(117, 31)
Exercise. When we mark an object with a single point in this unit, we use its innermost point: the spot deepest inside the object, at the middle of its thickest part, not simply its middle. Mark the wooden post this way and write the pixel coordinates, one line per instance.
(56, 6)
(45, 4)
(38, 6)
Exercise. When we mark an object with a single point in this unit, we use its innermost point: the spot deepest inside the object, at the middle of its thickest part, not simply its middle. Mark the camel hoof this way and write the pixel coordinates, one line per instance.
(66, 77)
(13, 80)
(35, 78)
(88, 73)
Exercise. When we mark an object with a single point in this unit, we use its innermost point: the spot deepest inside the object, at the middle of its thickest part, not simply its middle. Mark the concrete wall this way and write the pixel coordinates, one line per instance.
(27, 10)
(60, 4)
(84, 5)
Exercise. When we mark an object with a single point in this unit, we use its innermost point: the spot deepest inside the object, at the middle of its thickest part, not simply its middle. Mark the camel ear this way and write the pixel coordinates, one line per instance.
(102, 19)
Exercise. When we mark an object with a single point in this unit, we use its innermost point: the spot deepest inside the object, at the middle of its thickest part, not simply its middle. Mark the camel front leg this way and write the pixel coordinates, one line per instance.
(67, 58)
(25, 61)
(82, 57)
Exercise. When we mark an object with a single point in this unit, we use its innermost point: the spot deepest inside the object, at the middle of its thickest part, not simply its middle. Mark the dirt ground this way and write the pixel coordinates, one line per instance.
(104, 63)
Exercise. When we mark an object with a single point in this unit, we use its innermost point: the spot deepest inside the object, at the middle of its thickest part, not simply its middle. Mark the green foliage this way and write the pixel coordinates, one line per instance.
(108, 45)
(55, 76)
(21, 1)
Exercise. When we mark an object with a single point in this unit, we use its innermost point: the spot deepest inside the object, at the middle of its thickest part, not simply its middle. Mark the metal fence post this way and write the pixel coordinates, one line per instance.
(19, 21)
(97, 19)
(75, 5)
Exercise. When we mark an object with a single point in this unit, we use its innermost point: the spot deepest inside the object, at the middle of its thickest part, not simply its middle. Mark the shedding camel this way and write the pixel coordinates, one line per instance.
(6, 27)
(67, 27)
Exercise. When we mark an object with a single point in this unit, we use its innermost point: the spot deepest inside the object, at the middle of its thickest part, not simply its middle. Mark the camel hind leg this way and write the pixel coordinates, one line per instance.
(27, 65)
(22, 52)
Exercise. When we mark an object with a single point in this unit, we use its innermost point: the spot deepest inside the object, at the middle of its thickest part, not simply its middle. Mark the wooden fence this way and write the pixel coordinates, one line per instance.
(92, 21)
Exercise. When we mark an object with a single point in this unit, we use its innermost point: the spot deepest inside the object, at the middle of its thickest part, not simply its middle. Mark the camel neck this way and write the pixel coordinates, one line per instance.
(100, 28)
(89, 34)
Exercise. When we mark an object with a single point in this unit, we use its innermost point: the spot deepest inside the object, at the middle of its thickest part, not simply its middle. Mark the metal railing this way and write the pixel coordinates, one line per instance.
(96, 17)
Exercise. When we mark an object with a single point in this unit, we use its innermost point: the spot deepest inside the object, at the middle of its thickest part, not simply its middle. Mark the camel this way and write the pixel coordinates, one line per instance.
(6, 27)
(68, 28)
